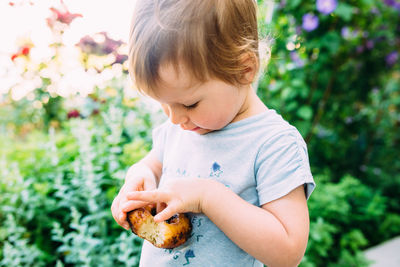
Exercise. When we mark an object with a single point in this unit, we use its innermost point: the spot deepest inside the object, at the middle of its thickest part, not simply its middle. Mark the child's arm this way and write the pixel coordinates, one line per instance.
(144, 175)
(276, 233)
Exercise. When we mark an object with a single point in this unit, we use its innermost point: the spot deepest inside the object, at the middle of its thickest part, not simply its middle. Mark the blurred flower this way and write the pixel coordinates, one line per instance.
(298, 62)
(392, 58)
(120, 59)
(348, 33)
(23, 51)
(110, 45)
(298, 30)
(20, 3)
(101, 44)
(345, 32)
(393, 3)
(88, 45)
(326, 6)
(390, 2)
(375, 11)
(73, 114)
(349, 120)
(370, 44)
(61, 15)
(310, 22)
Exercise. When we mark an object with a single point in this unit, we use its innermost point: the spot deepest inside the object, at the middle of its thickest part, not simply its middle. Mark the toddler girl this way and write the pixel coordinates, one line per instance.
(238, 169)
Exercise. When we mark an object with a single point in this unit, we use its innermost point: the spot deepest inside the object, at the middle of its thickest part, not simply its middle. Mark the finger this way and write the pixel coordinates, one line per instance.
(132, 205)
(160, 206)
(121, 217)
(115, 210)
(149, 196)
(122, 221)
(149, 184)
(134, 187)
(167, 213)
(126, 226)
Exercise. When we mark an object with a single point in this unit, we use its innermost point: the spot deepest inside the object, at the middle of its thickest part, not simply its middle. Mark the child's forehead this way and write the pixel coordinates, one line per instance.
(176, 75)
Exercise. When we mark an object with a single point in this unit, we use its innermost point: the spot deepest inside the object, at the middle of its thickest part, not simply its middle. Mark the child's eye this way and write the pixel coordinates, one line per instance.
(191, 106)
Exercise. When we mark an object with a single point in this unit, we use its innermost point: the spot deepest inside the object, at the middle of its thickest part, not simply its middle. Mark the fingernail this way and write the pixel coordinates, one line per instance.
(121, 216)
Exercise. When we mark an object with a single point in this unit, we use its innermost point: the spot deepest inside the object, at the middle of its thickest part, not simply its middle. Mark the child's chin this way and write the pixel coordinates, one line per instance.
(202, 131)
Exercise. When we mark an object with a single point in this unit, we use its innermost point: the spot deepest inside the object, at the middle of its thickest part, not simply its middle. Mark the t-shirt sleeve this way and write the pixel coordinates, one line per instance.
(159, 135)
(282, 165)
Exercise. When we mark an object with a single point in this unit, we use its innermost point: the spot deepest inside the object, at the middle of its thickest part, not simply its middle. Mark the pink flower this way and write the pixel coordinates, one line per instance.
(61, 15)
(64, 16)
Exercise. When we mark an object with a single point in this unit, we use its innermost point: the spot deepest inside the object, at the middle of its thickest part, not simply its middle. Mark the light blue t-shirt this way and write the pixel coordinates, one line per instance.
(260, 158)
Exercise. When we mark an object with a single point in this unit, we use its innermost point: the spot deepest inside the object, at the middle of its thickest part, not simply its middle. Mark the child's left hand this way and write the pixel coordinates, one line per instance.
(179, 196)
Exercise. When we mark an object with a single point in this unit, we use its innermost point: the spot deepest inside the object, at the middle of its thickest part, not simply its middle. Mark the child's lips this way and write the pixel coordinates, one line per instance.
(195, 129)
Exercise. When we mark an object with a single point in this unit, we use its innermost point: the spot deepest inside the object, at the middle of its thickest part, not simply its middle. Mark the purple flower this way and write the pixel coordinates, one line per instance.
(106, 46)
(326, 6)
(345, 32)
(298, 62)
(390, 2)
(375, 11)
(392, 58)
(120, 59)
(310, 22)
(370, 44)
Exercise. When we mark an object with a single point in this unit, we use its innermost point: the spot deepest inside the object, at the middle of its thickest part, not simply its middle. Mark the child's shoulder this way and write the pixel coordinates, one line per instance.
(262, 126)
(257, 129)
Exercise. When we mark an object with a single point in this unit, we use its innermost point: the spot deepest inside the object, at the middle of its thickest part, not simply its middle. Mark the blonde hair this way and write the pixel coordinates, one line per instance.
(210, 37)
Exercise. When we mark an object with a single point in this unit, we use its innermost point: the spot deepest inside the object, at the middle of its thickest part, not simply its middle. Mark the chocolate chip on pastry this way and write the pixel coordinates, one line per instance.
(167, 234)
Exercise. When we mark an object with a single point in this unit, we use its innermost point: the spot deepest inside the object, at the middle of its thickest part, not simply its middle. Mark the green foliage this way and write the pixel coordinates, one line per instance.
(338, 83)
(57, 192)
(346, 218)
(64, 158)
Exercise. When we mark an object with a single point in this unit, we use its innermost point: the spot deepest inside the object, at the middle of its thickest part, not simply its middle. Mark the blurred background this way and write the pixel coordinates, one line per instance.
(71, 124)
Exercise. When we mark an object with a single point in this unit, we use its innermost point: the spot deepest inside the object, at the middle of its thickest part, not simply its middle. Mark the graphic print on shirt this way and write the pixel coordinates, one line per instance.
(184, 255)
(215, 170)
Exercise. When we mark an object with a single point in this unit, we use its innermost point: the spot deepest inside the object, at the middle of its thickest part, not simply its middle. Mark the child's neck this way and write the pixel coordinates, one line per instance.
(252, 105)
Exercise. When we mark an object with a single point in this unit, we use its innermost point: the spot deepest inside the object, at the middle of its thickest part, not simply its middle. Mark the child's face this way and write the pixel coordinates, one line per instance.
(195, 106)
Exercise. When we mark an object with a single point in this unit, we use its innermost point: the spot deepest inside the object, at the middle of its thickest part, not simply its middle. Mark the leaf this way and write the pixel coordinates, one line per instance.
(305, 112)
(344, 11)
(331, 41)
(293, 3)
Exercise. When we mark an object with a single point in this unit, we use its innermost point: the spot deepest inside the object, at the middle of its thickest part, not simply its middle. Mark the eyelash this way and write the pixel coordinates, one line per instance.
(191, 106)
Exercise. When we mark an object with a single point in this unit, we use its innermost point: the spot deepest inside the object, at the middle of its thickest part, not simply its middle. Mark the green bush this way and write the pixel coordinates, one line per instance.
(63, 159)
(57, 191)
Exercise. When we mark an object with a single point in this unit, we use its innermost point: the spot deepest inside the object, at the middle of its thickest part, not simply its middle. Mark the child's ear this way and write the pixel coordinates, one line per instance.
(250, 63)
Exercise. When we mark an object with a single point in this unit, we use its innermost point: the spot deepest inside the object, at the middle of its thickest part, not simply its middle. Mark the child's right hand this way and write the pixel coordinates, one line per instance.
(137, 179)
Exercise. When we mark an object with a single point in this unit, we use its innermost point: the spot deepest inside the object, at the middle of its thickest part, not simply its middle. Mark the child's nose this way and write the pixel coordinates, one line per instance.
(177, 115)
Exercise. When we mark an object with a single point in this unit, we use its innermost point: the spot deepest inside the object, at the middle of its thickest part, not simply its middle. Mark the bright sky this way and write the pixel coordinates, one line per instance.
(24, 20)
